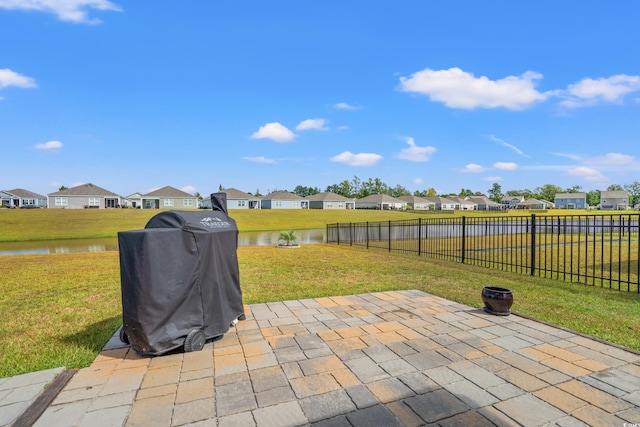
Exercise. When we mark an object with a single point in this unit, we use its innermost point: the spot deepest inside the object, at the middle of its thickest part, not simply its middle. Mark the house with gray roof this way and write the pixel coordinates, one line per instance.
(465, 205)
(20, 198)
(444, 203)
(329, 200)
(380, 201)
(534, 204)
(418, 203)
(282, 199)
(237, 199)
(614, 200)
(484, 203)
(571, 200)
(84, 196)
(168, 198)
(511, 202)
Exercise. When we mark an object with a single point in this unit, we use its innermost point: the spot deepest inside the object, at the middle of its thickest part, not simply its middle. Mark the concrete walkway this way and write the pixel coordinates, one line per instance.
(393, 358)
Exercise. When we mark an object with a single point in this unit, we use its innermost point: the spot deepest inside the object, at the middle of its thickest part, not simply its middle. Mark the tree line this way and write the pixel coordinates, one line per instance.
(358, 188)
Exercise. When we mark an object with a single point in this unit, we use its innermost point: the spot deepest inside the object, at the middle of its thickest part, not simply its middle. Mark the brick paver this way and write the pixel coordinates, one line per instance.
(401, 358)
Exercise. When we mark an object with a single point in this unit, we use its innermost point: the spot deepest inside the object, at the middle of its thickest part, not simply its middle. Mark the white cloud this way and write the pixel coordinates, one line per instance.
(492, 178)
(612, 159)
(414, 153)
(507, 166)
(274, 131)
(188, 189)
(312, 124)
(11, 78)
(589, 92)
(65, 10)
(343, 127)
(345, 106)
(459, 89)
(360, 159)
(259, 159)
(506, 144)
(589, 174)
(417, 181)
(49, 145)
(473, 168)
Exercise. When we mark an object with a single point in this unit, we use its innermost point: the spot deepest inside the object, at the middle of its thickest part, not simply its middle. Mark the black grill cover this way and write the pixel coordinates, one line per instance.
(179, 274)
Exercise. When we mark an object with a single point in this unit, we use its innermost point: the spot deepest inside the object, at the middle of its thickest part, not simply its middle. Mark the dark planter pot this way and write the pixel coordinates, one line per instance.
(497, 300)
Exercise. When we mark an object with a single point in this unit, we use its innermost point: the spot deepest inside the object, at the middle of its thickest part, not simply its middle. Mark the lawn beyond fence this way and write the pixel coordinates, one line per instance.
(597, 250)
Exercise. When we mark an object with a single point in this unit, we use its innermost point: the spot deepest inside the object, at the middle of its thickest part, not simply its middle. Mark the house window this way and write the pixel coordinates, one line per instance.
(187, 202)
(329, 204)
(61, 201)
(340, 204)
(241, 203)
(28, 202)
(168, 202)
(296, 204)
(278, 204)
(94, 201)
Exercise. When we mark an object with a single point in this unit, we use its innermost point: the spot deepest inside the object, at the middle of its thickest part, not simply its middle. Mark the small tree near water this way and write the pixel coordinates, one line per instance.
(289, 237)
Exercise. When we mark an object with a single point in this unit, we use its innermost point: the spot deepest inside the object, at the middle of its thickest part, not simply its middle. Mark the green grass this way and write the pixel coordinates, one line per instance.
(59, 310)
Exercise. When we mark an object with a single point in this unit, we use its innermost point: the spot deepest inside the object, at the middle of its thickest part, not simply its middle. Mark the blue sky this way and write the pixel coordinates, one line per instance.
(134, 96)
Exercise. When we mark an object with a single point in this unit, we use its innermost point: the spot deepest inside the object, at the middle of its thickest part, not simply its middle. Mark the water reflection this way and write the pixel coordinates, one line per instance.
(249, 238)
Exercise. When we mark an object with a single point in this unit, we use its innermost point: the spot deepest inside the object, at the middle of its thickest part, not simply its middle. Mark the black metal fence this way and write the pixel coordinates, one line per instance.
(598, 250)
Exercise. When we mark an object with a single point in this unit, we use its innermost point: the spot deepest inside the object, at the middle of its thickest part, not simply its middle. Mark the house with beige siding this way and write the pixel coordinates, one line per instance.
(465, 205)
(237, 199)
(485, 204)
(444, 203)
(329, 200)
(20, 198)
(418, 203)
(283, 200)
(380, 201)
(614, 200)
(571, 201)
(84, 196)
(169, 198)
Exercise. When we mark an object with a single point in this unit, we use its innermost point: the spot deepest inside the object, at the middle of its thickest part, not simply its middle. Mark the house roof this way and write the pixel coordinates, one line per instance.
(85, 190)
(281, 195)
(169, 191)
(379, 198)
(571, 196)
(484, 200)
(530, 202)
(25, 194)
(438, 199)
(463, 201)
(414, 199)
(327, 196)
(614, 194)
(233, 193)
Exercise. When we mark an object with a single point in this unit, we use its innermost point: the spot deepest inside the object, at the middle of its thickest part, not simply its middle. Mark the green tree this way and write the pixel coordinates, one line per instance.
(593, 198)
(465, 192)
(634, 192)
(547, 192)
(615, 187)
(574, 189)
(198, 196)
(344, 189)
(399, 191)
(303, 191)
(495, 193)
(62, 187)
(220, 187)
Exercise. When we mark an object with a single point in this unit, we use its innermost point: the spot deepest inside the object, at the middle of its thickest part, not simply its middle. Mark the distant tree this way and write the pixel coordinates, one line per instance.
(574, 189)
(62, 187)
(634, 192)
(345, 189)
(373, 186)
(615, 187)
(198, 196)
(258, 193)
(429, 192)
(593, 198)
(356, 184)
(547, 192)
(495, 192)
(399, 191)
(303, 191)
(220, 187)
(465, 192)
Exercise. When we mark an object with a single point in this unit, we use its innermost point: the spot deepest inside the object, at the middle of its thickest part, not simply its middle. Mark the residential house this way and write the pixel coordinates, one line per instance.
(511, 202)
(168, 198)
(485, 204)
(237, 199)
(534, 204)
(133, 201)
(283, 200)
(465, 204)
(418, 203)
(614, 200)
(380, 201)
(329, 200)
(571, 201)
(19, 198)
(444, 204)
(84, 196)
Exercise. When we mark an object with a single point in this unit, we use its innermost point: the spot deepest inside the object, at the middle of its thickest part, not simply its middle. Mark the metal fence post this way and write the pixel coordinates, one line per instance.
(464, 235)
(389, 236)
(367, 234)
(533, 244)
(419, 236)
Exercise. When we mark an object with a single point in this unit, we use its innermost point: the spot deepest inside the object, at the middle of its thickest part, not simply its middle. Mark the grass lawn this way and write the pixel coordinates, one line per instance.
(60, 309)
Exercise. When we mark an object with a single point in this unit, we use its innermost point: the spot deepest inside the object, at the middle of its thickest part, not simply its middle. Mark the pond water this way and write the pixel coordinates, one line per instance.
(248, 238)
